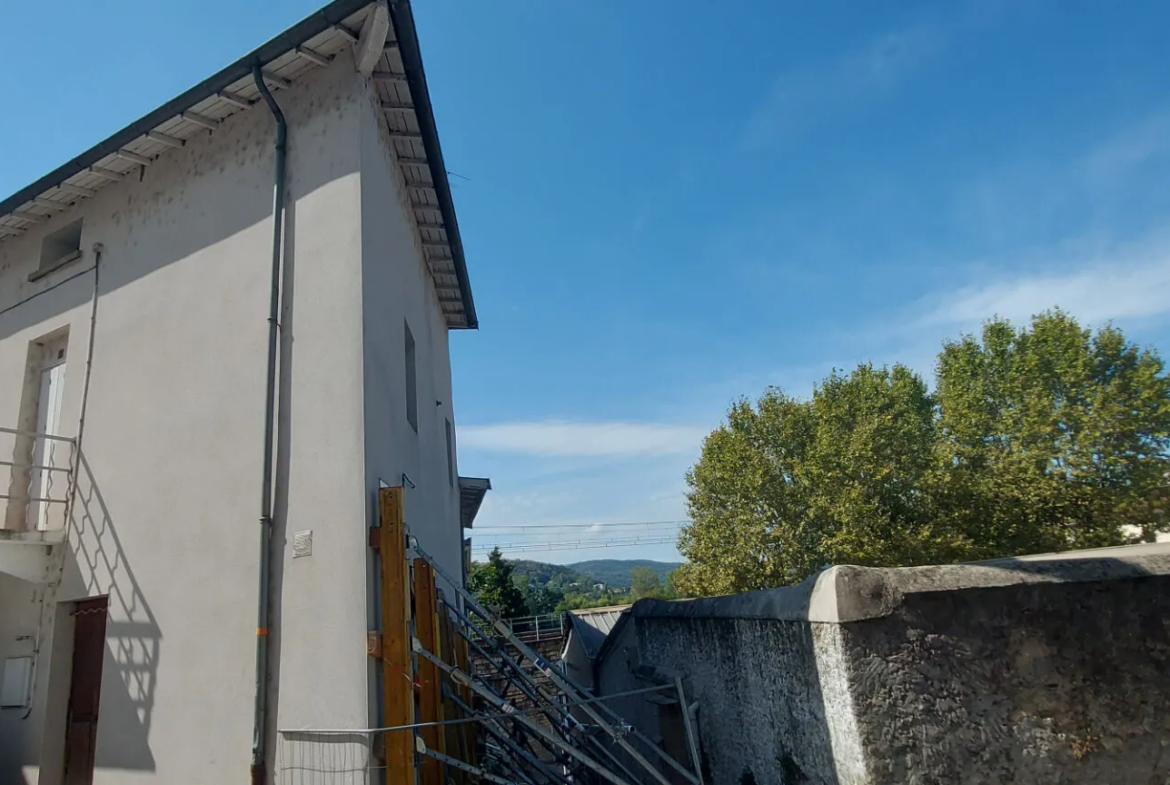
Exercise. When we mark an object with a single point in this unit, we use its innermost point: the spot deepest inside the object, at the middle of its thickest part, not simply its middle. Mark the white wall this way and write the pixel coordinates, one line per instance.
(398, 290)
(170, 488)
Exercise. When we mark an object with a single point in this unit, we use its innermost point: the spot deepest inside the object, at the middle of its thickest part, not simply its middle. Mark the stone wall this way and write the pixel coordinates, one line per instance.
(1032, 670)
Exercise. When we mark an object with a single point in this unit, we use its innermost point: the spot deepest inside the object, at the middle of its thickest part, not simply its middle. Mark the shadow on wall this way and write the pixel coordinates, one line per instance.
(97, 563)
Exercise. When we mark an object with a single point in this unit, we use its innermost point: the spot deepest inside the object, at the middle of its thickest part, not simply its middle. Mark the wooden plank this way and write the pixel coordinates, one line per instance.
(430, 688)
(397, 689)
(463, 661)
(452, 734)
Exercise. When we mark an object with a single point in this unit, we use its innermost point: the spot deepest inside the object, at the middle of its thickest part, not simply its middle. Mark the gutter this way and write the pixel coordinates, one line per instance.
(260, 717)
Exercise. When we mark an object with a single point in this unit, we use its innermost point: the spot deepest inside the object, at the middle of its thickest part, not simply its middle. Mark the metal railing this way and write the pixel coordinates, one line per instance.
(533, 629)
(36, 479)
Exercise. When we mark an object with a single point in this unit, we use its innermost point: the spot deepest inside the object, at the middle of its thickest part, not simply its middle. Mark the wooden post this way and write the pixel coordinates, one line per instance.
(430, 688)
(397, 686)
(463, 662)
(452, 734)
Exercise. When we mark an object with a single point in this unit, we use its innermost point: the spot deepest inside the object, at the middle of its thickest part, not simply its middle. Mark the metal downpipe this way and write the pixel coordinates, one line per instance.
(260, 720)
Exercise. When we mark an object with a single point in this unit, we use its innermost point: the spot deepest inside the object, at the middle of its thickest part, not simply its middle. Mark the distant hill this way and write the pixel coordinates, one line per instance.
(616, 572)
(612, 572)
(553, 576)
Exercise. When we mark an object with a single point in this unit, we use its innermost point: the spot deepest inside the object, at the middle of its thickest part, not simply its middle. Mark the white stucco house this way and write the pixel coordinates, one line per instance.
(221, 329)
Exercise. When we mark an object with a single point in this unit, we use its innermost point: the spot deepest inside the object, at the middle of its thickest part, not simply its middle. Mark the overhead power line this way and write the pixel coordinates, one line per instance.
(602, 524)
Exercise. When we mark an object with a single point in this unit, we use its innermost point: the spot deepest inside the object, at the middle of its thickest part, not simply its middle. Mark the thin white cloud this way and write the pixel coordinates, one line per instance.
(1093, 292)
(1132, 147)
(804, 95)
(563, 438)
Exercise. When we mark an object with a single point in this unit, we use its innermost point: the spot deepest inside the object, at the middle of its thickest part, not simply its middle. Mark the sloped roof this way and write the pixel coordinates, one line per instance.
(592, 625)
(310, 43)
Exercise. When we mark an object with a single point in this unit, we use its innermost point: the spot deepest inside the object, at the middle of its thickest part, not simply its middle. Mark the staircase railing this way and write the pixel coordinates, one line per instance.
(543, 627)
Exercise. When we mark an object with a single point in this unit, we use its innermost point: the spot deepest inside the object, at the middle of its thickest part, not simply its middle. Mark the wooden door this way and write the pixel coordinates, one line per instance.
(89, 645)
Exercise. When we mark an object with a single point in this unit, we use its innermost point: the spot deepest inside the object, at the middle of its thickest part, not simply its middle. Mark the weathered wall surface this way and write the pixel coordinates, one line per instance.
(1044, 683)
(762, 708)
(1018, 671)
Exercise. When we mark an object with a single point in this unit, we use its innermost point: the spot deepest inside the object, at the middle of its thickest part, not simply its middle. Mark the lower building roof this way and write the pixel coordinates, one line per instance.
(471, 493)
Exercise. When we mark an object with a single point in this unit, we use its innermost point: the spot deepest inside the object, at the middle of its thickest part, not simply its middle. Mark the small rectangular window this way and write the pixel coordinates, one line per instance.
(58, 249)
(411, 381)
(450, 454)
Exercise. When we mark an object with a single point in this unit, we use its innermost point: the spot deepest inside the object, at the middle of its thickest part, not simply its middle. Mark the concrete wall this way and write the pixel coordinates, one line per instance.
(166, 522)
(1015, 671)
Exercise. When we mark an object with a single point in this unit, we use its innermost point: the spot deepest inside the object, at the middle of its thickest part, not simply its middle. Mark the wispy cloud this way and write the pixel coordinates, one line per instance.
(1125, 283)
(1129, 148)
(806, 94)
(563, 438)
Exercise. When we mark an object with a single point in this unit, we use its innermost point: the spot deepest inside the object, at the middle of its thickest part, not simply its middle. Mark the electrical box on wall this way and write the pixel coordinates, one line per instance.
(14, 682)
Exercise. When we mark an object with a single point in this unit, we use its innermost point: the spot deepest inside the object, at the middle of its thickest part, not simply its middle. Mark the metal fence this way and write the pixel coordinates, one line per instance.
(328, 758)
(533, 629)
(36, 477)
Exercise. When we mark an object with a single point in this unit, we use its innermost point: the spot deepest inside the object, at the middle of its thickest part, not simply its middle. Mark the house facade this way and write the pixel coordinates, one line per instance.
(143, 450)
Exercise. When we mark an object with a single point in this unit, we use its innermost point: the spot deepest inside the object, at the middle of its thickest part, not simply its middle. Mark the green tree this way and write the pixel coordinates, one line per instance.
(1053, 437)
(644, 583)
(1041, 438)
(669, 589)
(786, 487)
(495, 589)
(583, 600)
(541, 599)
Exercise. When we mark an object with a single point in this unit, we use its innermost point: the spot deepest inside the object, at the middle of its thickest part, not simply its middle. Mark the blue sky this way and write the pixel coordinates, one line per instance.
(667, 204)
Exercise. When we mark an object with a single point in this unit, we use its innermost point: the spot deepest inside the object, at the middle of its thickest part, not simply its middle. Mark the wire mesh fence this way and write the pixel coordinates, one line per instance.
(329, 758)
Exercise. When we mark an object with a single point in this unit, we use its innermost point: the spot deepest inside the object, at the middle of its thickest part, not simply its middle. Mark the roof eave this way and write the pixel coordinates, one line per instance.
(403, 19)
(328, 17)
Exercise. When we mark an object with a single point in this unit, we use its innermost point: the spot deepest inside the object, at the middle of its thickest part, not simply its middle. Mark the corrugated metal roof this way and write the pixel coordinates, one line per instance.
(592, 625)
(309, 44)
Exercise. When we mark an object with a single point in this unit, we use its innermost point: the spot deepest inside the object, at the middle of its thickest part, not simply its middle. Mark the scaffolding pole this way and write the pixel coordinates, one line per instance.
(452, 722)
(562, 681)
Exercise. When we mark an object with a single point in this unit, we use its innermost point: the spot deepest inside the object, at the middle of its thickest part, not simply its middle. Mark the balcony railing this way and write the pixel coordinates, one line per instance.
(36, 479)
(534, 629)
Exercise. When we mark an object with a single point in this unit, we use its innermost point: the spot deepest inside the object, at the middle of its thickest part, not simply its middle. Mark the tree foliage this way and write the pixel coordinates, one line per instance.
(548, 588)
(493, 585)
(1036, 439)
(644, 582)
